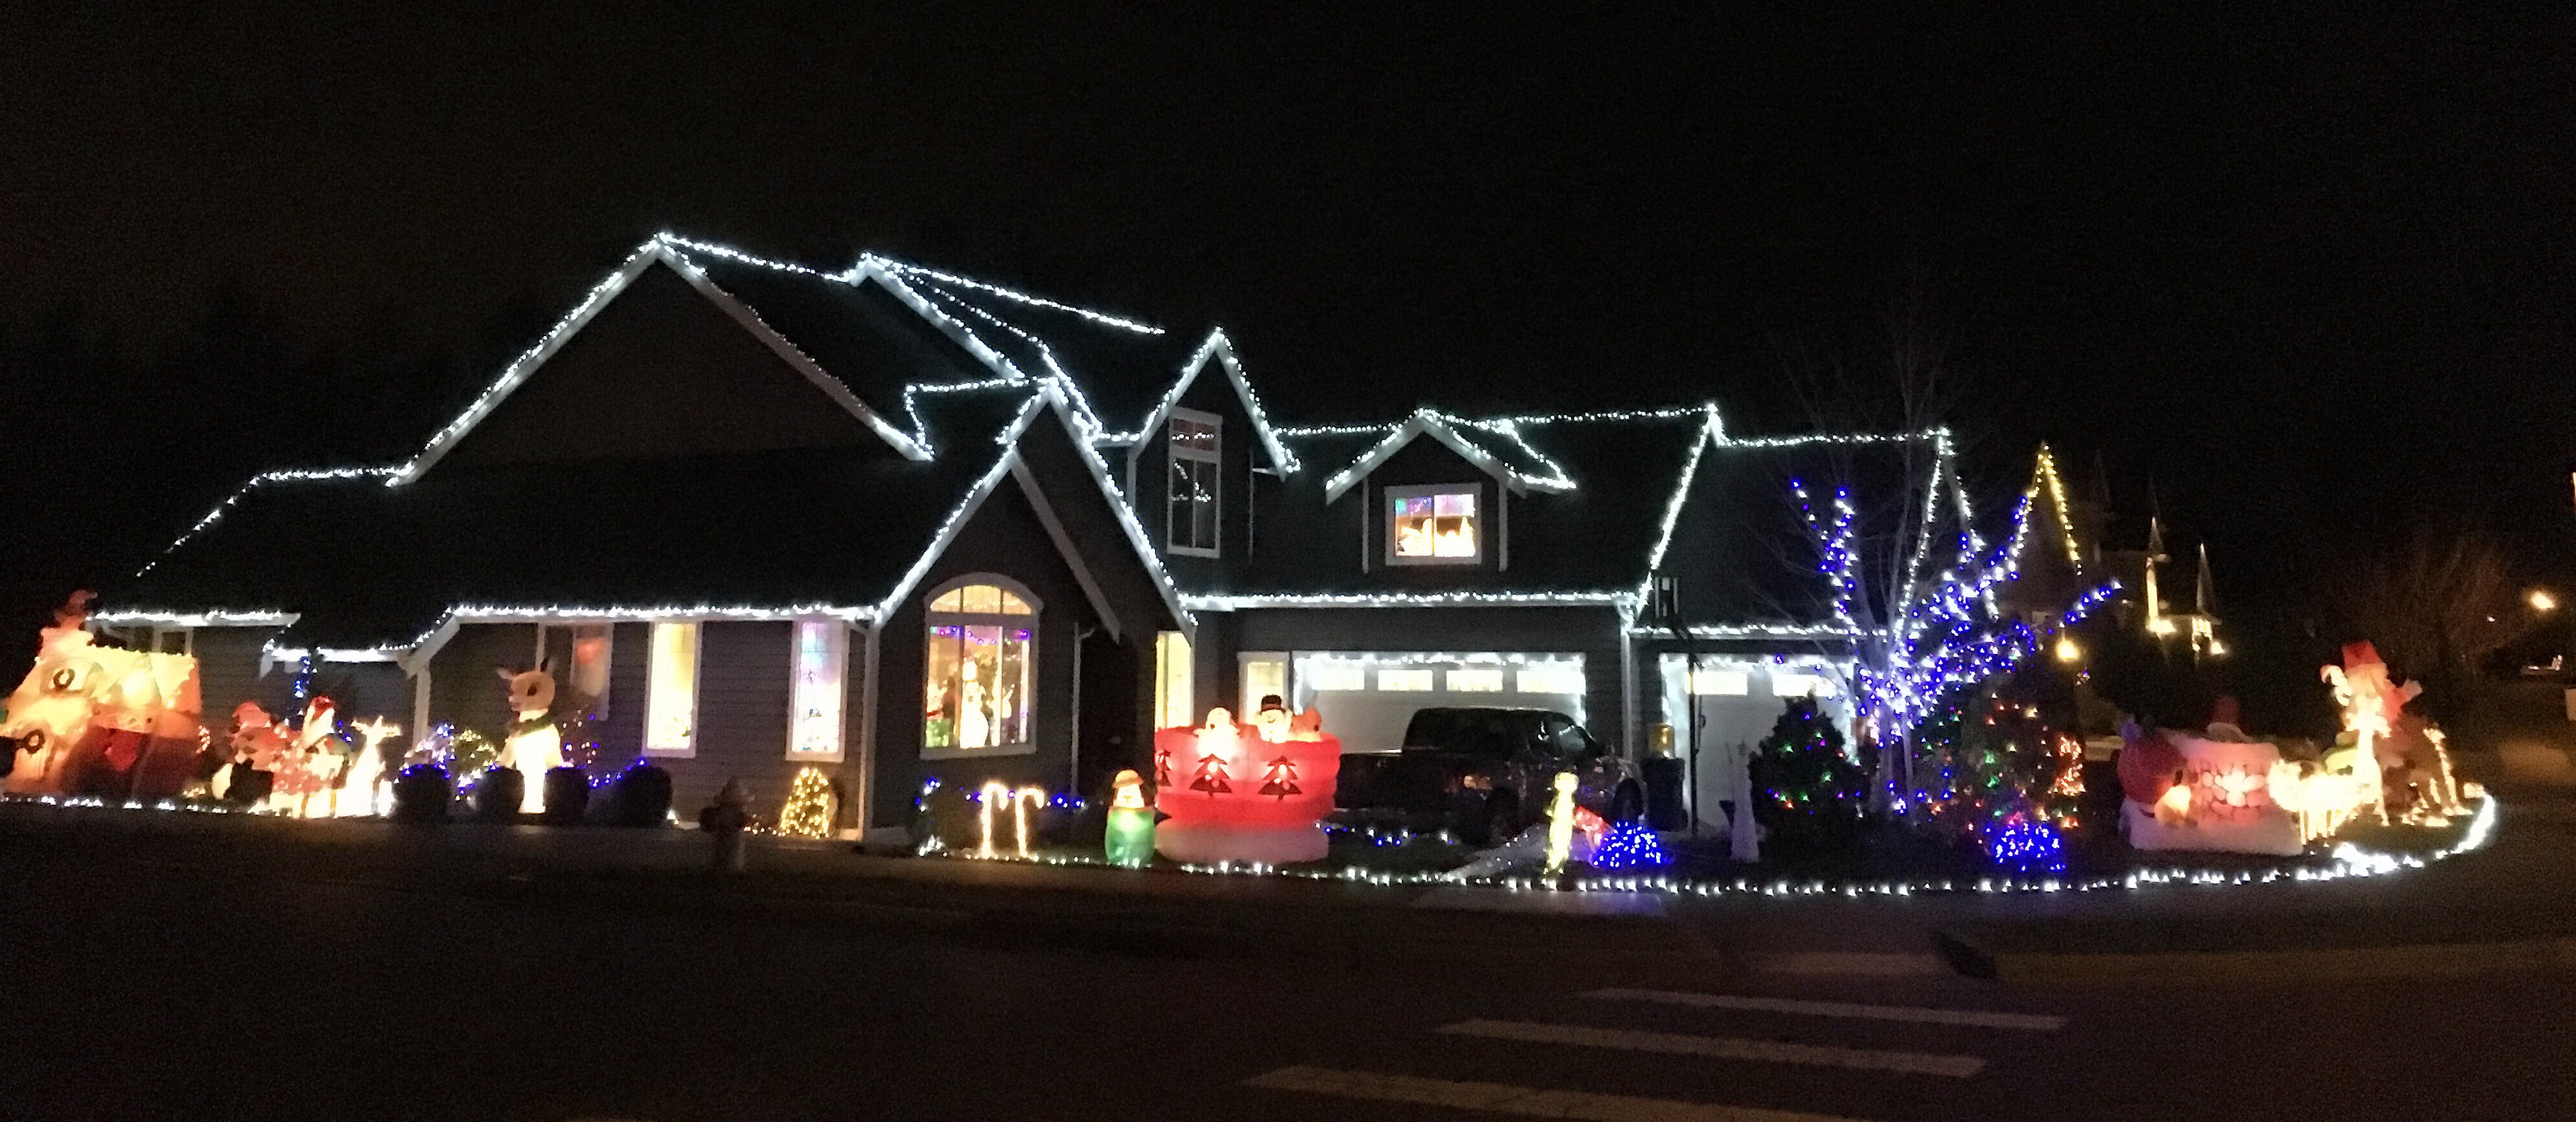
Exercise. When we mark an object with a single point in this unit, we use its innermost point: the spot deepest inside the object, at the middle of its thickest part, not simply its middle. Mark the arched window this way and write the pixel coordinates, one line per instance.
(977, 679)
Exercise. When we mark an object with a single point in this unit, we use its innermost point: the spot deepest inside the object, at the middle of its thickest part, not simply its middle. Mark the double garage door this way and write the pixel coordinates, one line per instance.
(1367, 697)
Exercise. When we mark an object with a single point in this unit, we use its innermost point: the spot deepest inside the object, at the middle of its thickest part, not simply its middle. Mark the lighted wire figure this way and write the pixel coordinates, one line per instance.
(1000, 792)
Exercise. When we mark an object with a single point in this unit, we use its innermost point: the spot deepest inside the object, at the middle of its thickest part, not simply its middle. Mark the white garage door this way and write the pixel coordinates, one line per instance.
(1368, 697)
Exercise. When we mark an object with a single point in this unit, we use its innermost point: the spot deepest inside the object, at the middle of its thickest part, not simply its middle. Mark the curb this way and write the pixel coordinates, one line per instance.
(2299, 965)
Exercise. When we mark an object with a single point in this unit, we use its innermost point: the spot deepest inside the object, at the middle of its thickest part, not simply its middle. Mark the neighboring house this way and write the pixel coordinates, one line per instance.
(2062, 549)
(901, 525)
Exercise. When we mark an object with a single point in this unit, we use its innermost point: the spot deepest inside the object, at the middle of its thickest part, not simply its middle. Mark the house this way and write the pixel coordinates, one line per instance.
(2063, 545)
(902, 525)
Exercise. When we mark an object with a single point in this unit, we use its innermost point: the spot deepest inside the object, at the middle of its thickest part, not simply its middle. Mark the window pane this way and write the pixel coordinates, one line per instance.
(1436, 526)
(1792, 685)
(1011, 688)
(1203, 508)
(950, 601)
(940, 680)
(1479, 680)
(1173, 674)
(821, 646)
(1263, 677)
(1012, 605)
(671, 701)
(1405, 680)
(1551, 680)
(1722, 683)
(983, 599)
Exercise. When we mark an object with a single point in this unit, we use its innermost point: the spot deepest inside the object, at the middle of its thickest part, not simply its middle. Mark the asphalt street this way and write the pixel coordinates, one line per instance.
(137, 988)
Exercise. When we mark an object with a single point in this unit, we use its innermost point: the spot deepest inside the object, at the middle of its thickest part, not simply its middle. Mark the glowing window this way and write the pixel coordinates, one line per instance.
(1562, 680)
(671, 691)
(1192, 528)
(1432, 526)
(1405, 680)
(1722, 683)
(1264, 675)
(1331, 676)
(1172, 673)
(1784, 684)
(976, 676)
(821, 655)
(1478, 680)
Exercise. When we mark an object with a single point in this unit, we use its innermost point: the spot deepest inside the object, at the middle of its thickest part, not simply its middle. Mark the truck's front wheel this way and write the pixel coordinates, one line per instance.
(1499, 822)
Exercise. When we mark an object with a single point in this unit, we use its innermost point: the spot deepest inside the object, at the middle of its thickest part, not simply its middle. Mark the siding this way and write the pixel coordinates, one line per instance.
(463, 690)
(743, 692)
(228, 674)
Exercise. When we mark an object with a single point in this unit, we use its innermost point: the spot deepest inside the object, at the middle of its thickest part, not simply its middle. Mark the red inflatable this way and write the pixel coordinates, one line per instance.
(1247, 794)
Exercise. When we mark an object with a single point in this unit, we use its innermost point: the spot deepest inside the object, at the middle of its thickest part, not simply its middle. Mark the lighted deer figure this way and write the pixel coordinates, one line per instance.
(533, 747)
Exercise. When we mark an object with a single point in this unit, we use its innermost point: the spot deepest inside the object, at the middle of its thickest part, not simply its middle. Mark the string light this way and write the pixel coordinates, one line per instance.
(808, 810)
(1221, 349)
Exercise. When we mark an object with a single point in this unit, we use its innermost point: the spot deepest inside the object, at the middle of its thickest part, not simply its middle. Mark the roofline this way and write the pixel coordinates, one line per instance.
(1426, 421)
(663, 249)
(1220, 348)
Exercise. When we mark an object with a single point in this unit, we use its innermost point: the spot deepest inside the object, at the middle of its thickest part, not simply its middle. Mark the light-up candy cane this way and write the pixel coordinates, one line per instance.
(998, 791)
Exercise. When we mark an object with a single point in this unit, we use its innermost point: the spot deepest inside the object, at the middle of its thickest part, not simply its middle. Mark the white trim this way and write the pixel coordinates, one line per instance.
(1428, 422)
(1388, 496)
(1034, 684)
(864, 786)
(1221, 349)
(795, 650)
(1064, 545)
(1214, 457)
(697, 683)
(1233, 603)
(804, 364)
(213, 617)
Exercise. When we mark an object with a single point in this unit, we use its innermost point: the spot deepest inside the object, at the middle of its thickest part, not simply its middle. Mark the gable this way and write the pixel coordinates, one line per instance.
(661, 370)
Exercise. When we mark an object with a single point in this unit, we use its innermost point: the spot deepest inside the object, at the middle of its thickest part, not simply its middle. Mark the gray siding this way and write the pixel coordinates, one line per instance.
(464, 691)
(228, 674)
(743, 692)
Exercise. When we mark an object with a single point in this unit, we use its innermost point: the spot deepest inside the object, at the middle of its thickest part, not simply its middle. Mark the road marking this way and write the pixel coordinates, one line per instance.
(1858, 963)
(1503, 1098)
(1722, 1047)
(2035, 1022)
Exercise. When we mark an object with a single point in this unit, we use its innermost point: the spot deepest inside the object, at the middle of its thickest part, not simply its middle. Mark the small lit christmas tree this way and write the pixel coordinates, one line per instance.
(1804, 784)
(808, 813)
(1211, 776)
(1281, 780)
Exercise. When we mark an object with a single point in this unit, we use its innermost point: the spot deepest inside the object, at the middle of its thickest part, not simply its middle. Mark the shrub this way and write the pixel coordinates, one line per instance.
(421, 794)
(641, 796)
(567, 796)
(498, 791)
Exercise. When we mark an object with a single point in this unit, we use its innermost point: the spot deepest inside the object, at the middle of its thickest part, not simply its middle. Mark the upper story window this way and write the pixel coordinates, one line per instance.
(1433, 525)
(976, 676)
(1192, 528)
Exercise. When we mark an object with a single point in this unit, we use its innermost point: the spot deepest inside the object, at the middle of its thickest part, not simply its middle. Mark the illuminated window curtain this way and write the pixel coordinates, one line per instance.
(1172, 701)
(1429, 525)
(820, 658)
(1193, 501)
(671, 694)
(976, 676)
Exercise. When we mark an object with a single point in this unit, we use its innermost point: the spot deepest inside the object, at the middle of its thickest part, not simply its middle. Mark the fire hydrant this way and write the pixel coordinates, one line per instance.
(722, 821)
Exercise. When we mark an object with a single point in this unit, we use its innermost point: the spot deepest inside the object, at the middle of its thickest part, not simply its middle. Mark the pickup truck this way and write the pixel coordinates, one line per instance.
(1485, 774)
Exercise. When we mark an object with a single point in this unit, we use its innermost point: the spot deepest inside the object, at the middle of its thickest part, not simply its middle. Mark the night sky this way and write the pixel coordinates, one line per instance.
(2310, 277)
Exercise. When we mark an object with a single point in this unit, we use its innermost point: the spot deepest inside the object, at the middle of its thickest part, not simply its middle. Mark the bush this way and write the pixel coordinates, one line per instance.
(421, 794)
(567, 796)
(498, 791)
(641, 796)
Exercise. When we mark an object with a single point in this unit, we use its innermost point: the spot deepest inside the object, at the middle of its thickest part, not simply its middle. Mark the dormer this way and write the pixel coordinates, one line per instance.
(1436, 493)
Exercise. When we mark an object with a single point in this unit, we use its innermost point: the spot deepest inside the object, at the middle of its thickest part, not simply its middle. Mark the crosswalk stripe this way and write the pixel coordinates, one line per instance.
(1503, 1098)
(1722, 1047)
(1973, 1018)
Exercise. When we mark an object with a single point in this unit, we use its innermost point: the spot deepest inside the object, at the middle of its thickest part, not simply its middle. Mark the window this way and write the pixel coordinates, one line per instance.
(1568, 739)
(1407, 680)
(1432, 525)
(976, 677)
(579, 653)
(817, 667)
(1561, 679)
(1193, 526)
(1476, 680)
(1334, 677)
(1721, 683)
(1265, 674)
(1172, 674)
(671, 694)
(1784, 684)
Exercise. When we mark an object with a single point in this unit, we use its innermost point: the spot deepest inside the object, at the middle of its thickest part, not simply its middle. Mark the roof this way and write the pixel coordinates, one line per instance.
(1601, 510)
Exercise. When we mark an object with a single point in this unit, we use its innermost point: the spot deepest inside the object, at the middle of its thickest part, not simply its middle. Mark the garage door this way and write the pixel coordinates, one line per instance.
(1367, 697)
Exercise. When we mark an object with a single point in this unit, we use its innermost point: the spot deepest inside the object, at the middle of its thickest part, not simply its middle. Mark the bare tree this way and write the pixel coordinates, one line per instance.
(2439, 608)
